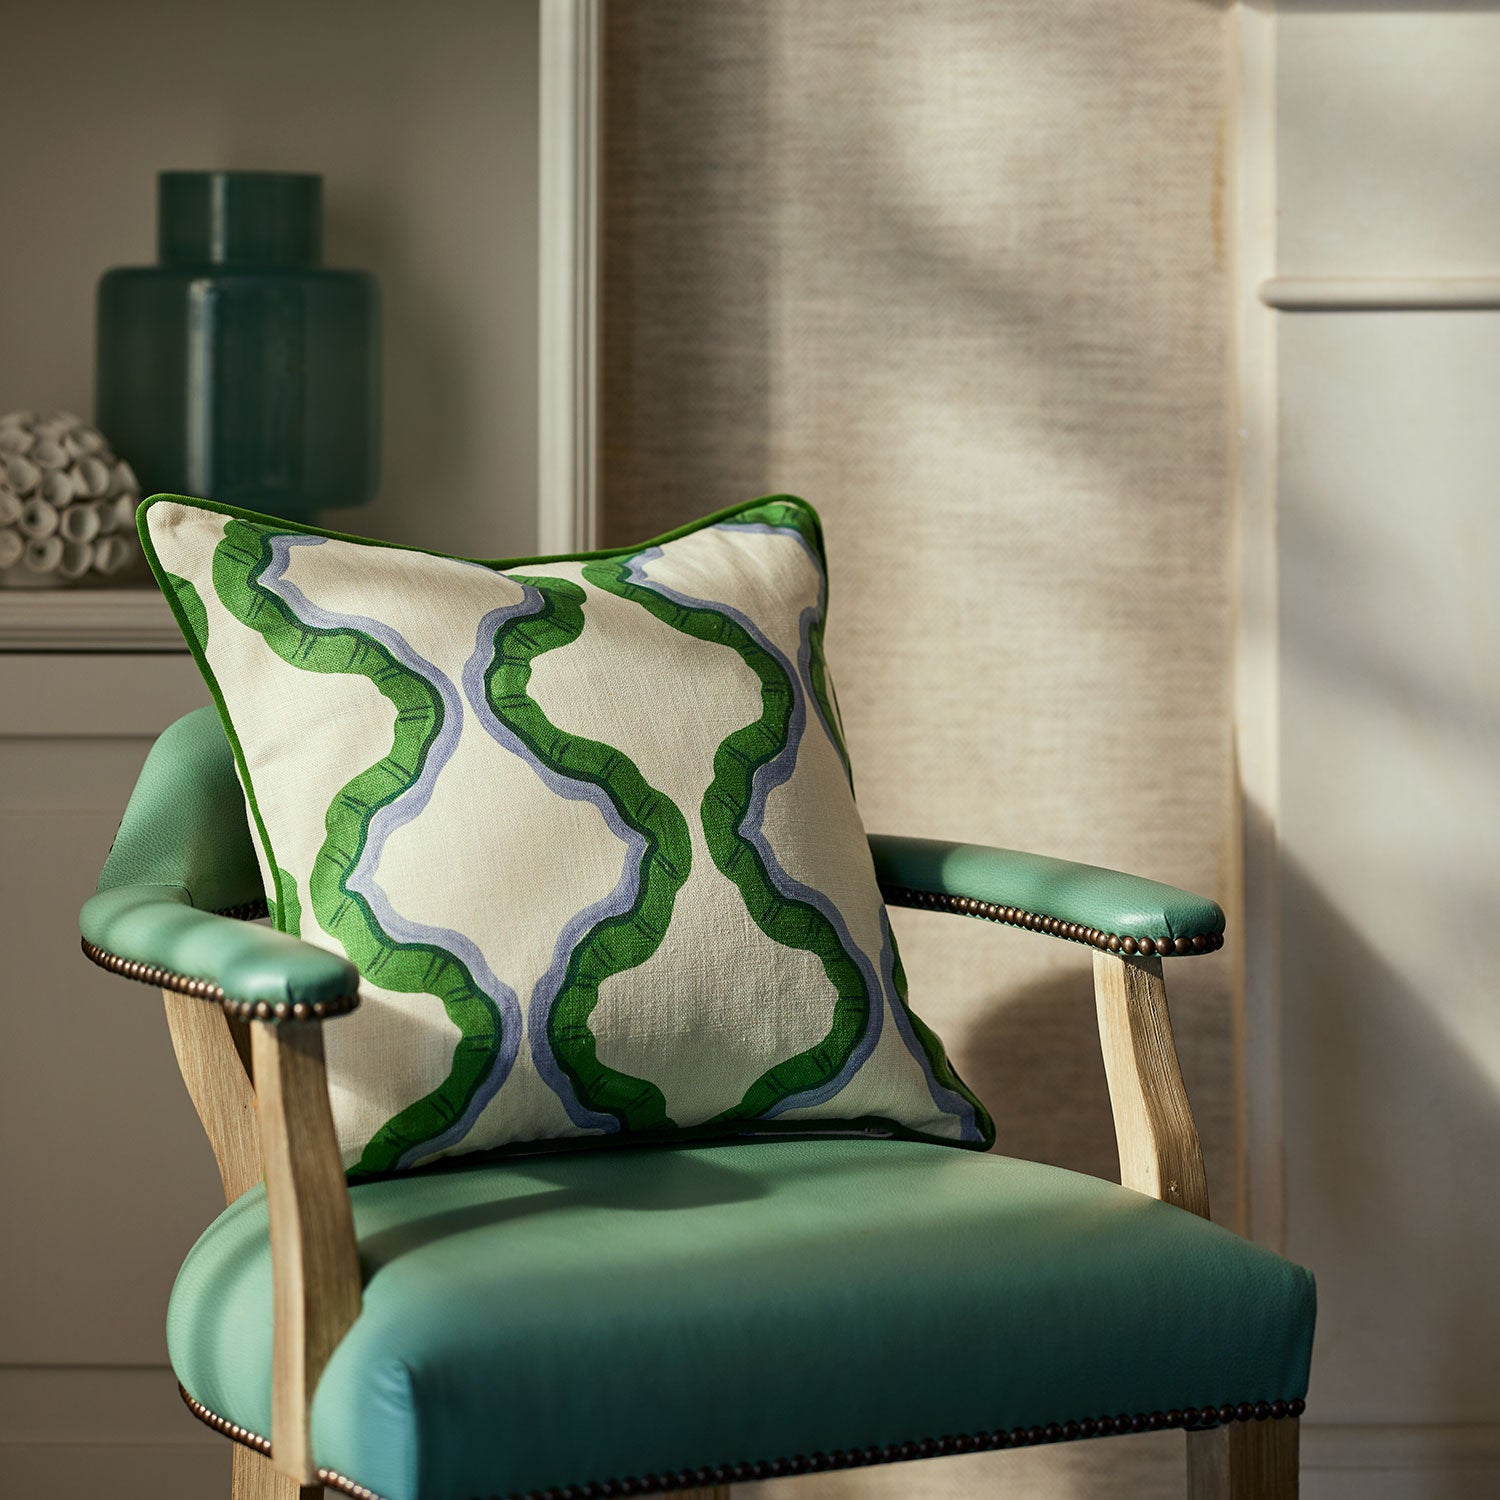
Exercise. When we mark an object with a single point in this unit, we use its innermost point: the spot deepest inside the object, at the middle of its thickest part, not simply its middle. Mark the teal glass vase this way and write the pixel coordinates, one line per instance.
(239, 369)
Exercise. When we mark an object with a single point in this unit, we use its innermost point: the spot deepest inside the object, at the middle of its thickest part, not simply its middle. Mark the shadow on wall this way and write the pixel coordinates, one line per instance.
(1390, 1131)
(1040, 1066)
(915, 271)
(1026, 1040)
(1390, 1135)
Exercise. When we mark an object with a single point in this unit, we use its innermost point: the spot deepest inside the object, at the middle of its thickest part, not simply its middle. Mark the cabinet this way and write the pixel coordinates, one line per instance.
(105, 1176)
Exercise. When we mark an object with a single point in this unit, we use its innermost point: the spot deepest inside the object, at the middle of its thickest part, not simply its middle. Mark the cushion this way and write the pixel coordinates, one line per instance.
(584, 825)
(578, 1319)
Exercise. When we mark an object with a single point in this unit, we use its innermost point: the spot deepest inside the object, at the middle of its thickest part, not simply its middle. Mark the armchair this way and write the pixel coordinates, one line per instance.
(628, 1321)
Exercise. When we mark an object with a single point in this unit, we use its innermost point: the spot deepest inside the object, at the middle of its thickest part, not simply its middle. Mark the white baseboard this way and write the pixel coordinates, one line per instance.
(115, 1471)
(1400, 1462)
(83, 1433)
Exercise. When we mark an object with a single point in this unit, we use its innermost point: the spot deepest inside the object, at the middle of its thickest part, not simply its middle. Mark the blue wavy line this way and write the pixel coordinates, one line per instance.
(947, 1100)
(619, 901)
(804, 655)
(766, 779)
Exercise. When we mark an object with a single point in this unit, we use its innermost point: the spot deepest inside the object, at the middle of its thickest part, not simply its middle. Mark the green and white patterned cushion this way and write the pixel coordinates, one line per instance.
(584, 825)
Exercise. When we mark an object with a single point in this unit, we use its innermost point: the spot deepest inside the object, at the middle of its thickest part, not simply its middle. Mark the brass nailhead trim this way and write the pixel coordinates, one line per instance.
(336, 1481)
(1192, 1417)
(1073, 932)
(228, 1429)
(202, 989)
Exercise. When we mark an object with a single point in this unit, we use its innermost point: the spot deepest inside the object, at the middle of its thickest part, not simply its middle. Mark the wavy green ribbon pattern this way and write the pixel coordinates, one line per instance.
(239, 562)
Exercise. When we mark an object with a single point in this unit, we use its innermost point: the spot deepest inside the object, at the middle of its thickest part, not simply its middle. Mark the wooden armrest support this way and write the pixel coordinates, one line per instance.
(1158, 1140)
(314, 1255)
(213, 1057)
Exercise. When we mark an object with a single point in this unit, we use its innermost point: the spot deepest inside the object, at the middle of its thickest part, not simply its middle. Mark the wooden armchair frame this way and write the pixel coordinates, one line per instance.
(261, 1092)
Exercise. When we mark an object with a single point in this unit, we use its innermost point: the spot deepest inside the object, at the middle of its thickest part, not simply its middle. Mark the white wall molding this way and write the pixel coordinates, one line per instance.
(1408, 1447)
(87, 620)
(568, 281)
(104, 1430)
(1397, 1460)
(1257, 644)
(1381, 293)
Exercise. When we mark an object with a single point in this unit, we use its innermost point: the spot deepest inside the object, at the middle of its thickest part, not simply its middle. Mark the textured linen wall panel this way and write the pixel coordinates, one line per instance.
(953, 271)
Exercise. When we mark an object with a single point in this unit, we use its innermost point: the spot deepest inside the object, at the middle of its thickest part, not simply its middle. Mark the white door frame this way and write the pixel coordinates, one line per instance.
(568, 280)
(1257, 721)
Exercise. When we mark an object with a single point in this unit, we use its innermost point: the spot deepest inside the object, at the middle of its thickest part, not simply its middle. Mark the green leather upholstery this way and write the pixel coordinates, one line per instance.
(1083, 894)
(156, 925)
(185, 821)
(183, 854)
(576, 1318)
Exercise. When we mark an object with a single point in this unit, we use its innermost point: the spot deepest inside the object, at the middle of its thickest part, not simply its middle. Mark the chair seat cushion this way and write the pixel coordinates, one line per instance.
(572, 1319)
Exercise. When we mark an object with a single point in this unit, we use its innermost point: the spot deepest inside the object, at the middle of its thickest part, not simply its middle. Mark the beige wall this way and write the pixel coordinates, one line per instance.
(422, 120)
(954, 272)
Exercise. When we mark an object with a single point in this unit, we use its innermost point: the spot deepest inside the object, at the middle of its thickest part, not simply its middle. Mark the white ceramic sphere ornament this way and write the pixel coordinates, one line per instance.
(67, 504)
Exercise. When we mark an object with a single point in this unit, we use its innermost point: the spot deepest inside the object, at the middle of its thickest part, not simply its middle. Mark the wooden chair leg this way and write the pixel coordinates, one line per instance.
(255, 1477)
(1244, 1461)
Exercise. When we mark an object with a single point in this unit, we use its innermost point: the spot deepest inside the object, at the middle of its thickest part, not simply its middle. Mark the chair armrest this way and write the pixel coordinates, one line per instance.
(1133, 923)
(181, 867)
(154, 934)
(1081, 903)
